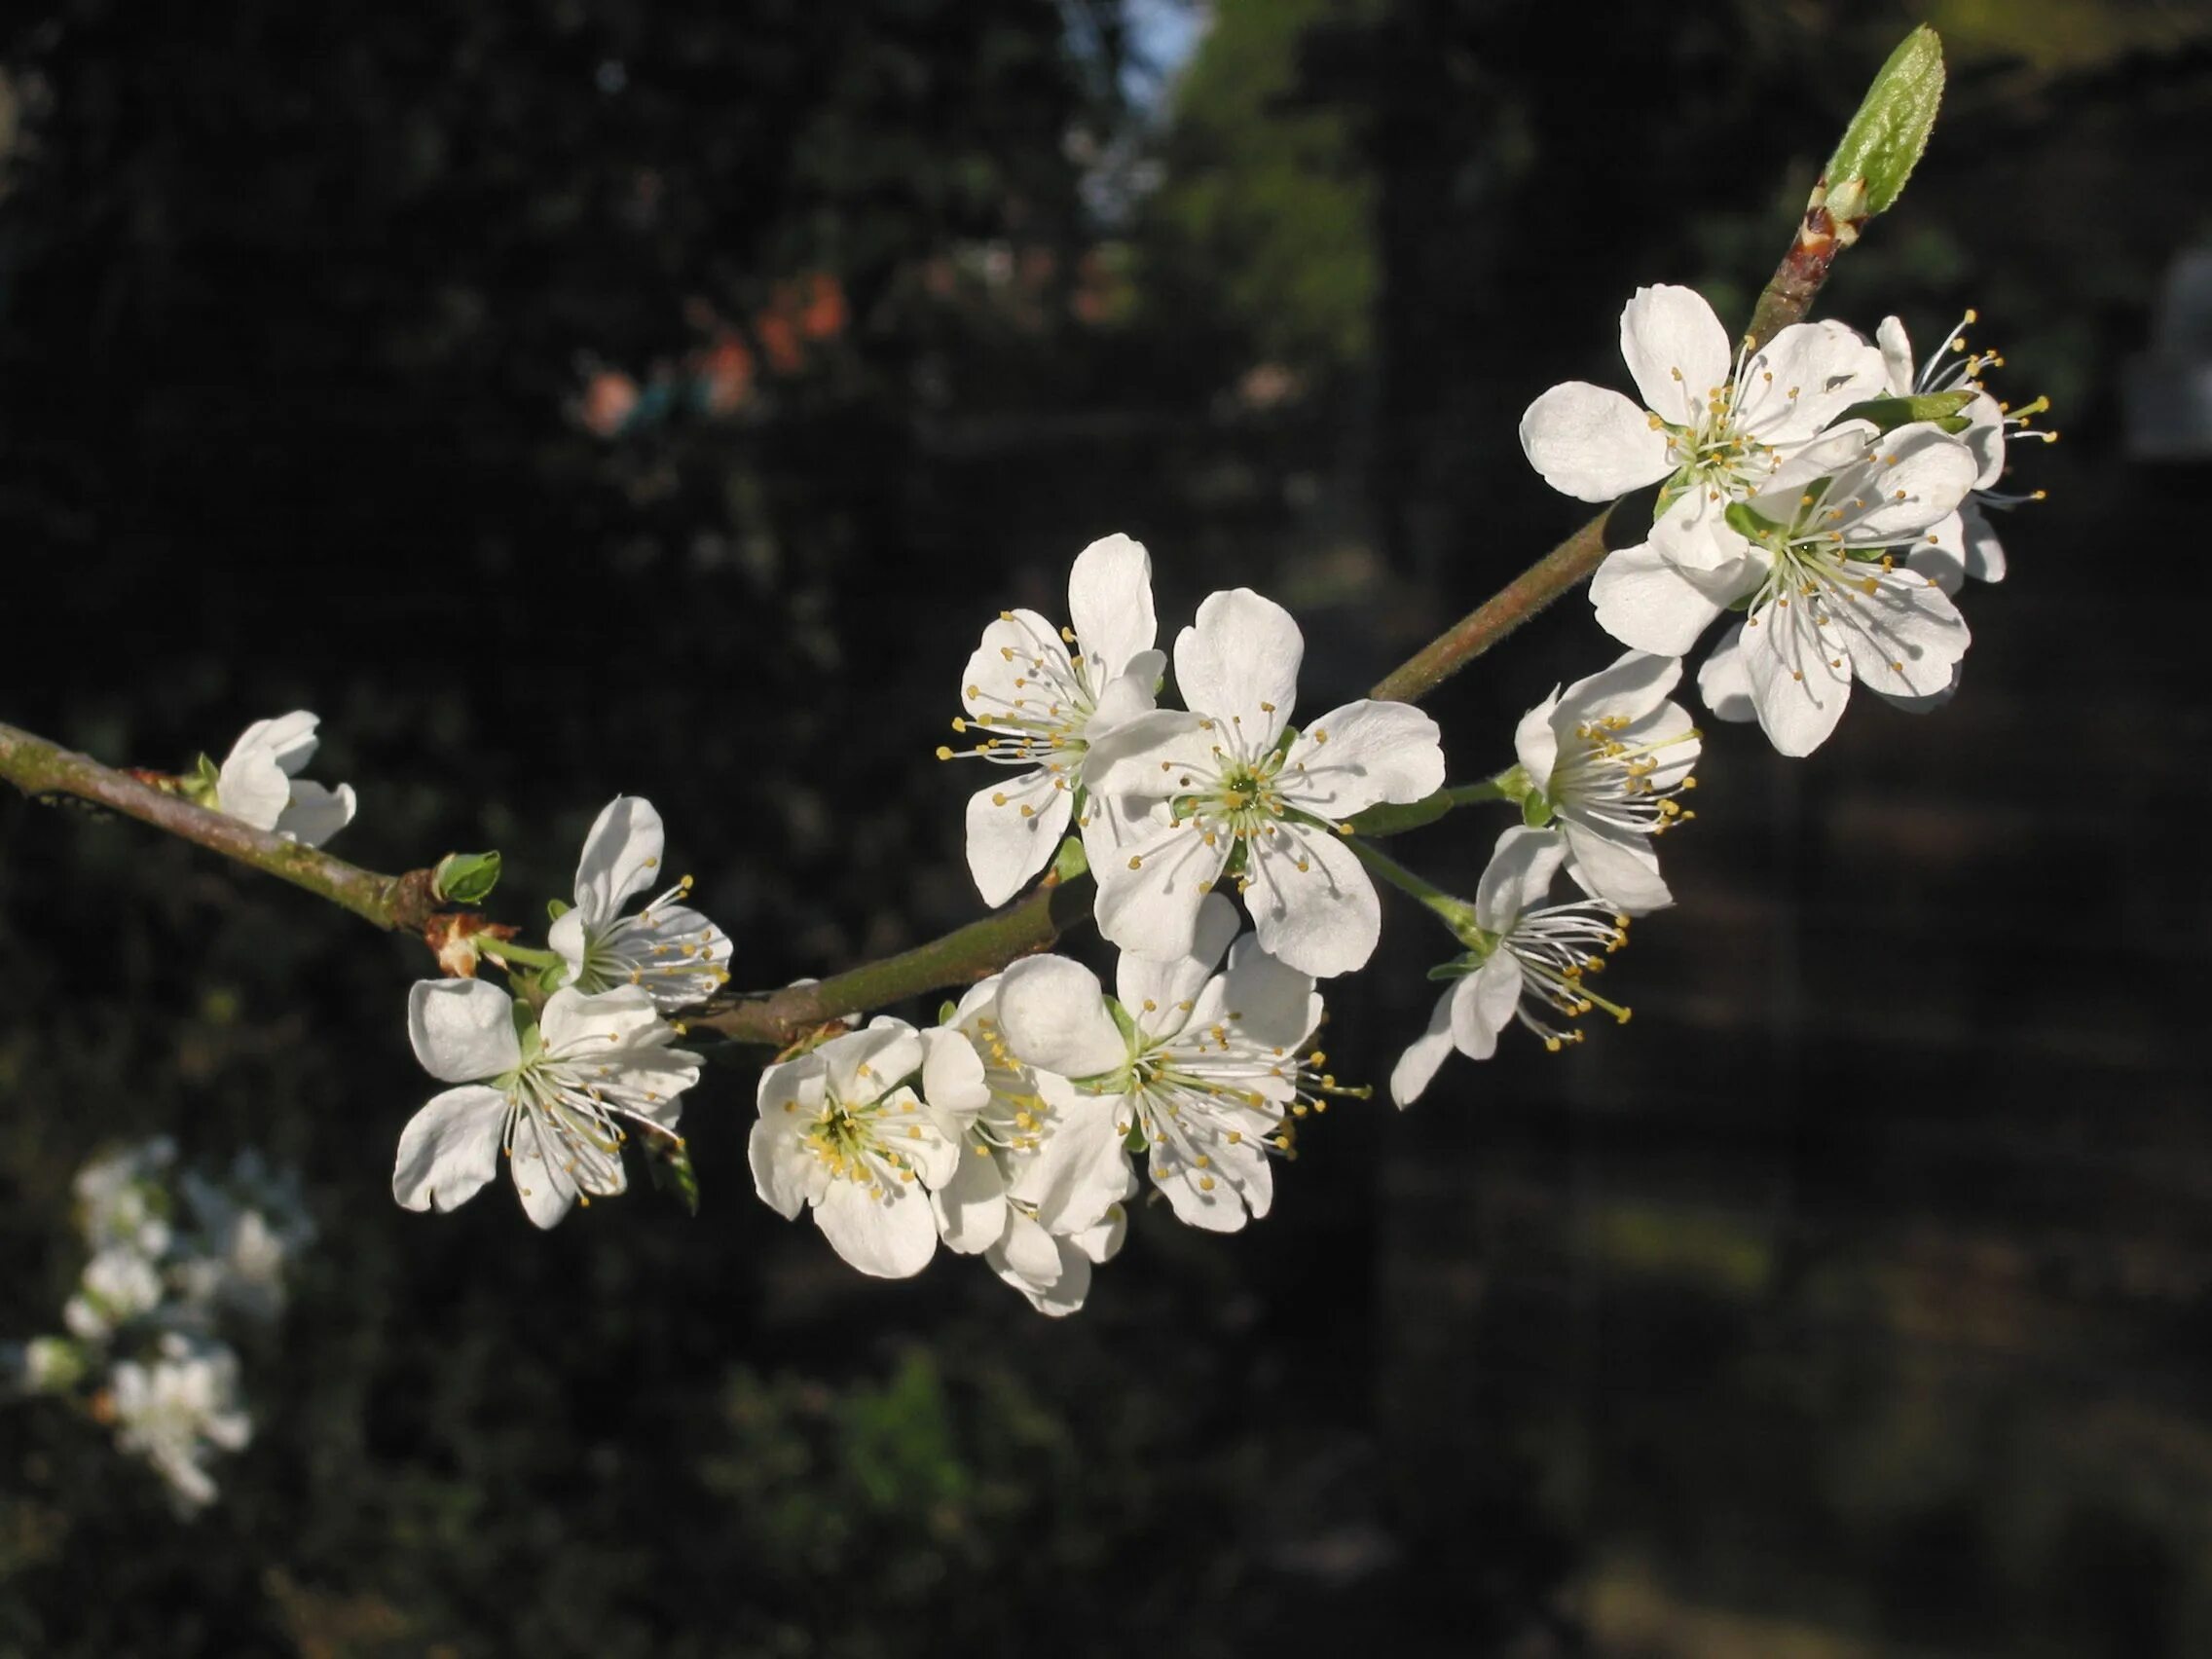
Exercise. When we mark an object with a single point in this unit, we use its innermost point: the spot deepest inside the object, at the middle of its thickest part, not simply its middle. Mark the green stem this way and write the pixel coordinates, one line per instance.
(529, 955)
(1455, 911)
(1391, 818)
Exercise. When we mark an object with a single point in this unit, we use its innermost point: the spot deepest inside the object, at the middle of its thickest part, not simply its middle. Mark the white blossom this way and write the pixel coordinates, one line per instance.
(668, 948)
(1816, 557)
(558, 1096)
(1713, 428)
(1530, 962)
(178, 1409)
(1608, 756)
(1201, 1067)
(844, 1131)
(1002, 1202)
(1040, 709)
(124, 1200)
(248, 1228)
(258, 783)
(1237, 792)
(119, 1284)
(1966, 545)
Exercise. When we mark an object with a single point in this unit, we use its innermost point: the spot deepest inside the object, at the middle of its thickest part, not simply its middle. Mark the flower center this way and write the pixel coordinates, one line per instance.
(858, 1143)
(1559, 948)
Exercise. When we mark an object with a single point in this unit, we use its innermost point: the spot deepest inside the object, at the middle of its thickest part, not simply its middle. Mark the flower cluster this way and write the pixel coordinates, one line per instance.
(1820, 484)
(173, 1254)
(1008, 1130)
(1172, 801)
(1816, 482)
(555, 1075)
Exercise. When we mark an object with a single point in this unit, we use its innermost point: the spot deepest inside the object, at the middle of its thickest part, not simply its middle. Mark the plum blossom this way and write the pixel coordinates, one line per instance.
(1967, 546)
(1530, 962)
(1605, 757)
(1816, 562)
(844, 1131)
(1040, 710)
(257, 781)
(1237, 790)
(1714, 433)
(122, 1198)
(669, 949)
(117, 1285)
(1201, 1067)
(178, 1407)
(558, 1095)
(1006, 1203)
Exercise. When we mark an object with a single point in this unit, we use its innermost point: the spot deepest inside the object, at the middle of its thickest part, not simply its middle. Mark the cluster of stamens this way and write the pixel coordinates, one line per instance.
(565, 1107)
(860, 1142)
(613, 957)
(1612, 783)
(1042, 723)
(1559, 948)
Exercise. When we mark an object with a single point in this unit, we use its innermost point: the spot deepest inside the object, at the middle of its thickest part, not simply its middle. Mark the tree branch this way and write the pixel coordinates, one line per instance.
(408, 902)
(45, 771)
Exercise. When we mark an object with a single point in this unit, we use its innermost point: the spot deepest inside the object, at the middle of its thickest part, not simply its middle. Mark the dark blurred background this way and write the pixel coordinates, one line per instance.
(565, 398)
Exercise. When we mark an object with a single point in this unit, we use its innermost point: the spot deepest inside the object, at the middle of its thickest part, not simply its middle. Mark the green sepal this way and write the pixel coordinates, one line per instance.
(1134, 1140)
(199, 786)
(1885, 139)
(668, 1162)
(465, 878)
(1946, 409)
(1750, 525)
(1124, 1021)
(945, 1011)
(556, 909)
(1458, 967)
(1071, 861)
(1536, 810)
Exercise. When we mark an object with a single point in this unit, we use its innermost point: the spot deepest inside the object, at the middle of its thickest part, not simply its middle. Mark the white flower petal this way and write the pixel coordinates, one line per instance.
(1013, 830)
(1239, 664)
(1897, 365)
(1149, 894)
(1158, 992)
(287, 742)
(786, 1173)
(590, 1027)
(1110, 603)
(450, 1148)
(1797, 689)
(1517, 876)
(1632, 686)
(313, 814)
(1269, 1001)
(1645, 601)
(1922, 474)
(1725, 680)
(620, 859)
(1803, 378)
(1143, 758)
(952, 1076)
(1366, 752)
(1535, 745)
(547, 1191)
(1082, 1170)
(1313, 903)
(1483, 1005)
(462, 1029)
(1053, 1013)
(1020, 654)
(1623, 871)
(1678, 353)
(1416, 1067)
(864, 1065)
(1904, 638)
(1591, 444)
(971, 1208)
(1694, 535)
(893, 1237)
